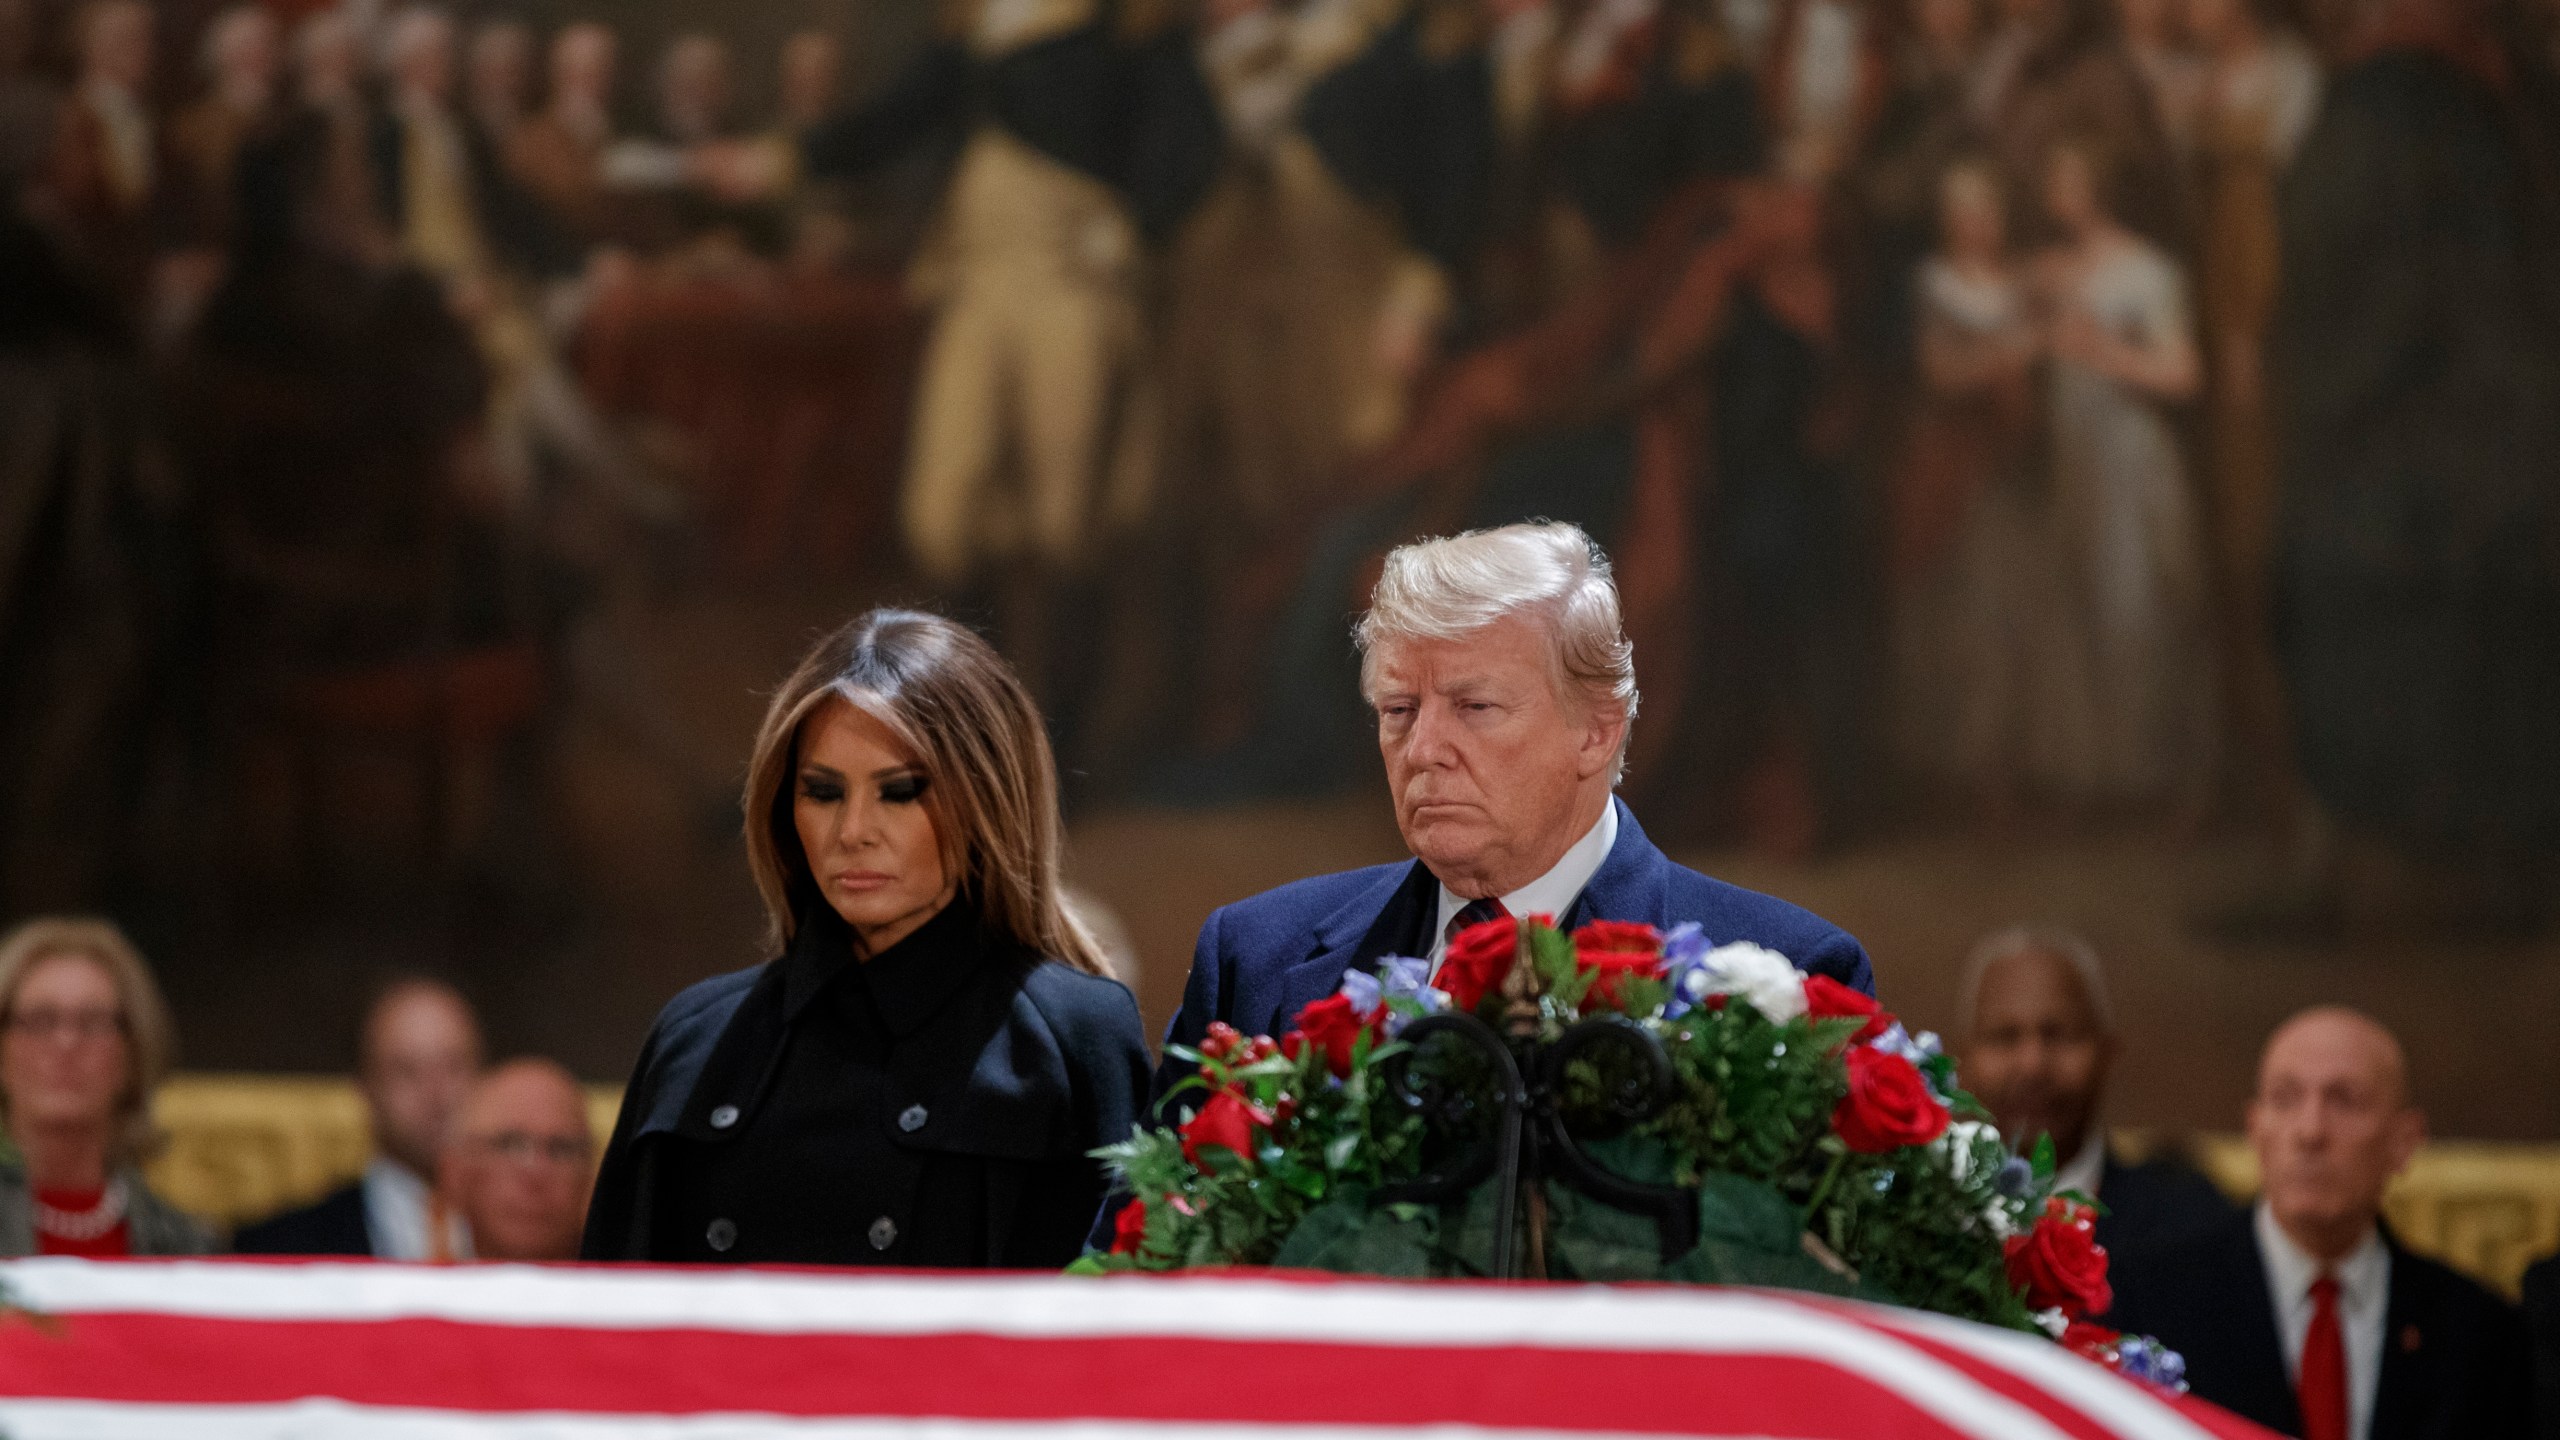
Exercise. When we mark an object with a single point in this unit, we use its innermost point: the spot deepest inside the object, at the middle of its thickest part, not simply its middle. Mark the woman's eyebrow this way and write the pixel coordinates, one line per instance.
(895, 772)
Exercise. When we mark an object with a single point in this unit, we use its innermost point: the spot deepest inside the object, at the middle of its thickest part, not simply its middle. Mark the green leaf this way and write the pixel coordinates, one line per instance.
(1468, 1239)
(1339, 1150)
(1348, 1237)
(1635, 1156)
(1589, 1239)
(2042, 1159)
(1746, 1214)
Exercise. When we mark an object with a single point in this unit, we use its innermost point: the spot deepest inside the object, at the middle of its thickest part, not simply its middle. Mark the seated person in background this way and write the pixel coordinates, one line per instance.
(520, 1162)
(419, 1052)
(84, 1040)
(2542, 1319)
(2037, 1041)
(2304, 1314)
(1504, 688)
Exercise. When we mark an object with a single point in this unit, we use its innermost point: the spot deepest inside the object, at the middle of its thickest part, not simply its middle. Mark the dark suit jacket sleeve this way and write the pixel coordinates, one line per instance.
(2542, 1319)
(1104, 1043)
(1843, 959)
(335, 1225)
(614, 1210)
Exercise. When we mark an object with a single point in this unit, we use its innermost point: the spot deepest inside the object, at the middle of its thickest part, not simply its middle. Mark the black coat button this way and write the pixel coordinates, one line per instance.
(884, 1233)
(721, 1234)
(724, 1117)
(911, 1119)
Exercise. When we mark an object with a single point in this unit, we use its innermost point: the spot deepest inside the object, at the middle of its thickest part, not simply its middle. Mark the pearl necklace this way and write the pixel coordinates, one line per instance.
(81, 1226)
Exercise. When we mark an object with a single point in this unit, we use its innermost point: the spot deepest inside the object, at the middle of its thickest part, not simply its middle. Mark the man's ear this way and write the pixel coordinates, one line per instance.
(1603, 731)
(2408, 1133)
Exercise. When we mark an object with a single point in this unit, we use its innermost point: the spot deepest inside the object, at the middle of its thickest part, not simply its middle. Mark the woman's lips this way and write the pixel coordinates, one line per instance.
(862, 880)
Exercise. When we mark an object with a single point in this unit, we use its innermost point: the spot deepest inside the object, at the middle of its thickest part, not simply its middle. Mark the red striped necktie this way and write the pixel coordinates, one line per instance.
(1474, 912)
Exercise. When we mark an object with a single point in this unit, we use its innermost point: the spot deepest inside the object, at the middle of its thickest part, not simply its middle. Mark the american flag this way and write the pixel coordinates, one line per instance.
(231, 1350)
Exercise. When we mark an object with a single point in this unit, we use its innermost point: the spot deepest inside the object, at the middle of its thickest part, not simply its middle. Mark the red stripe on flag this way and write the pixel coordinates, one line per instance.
(439, 1364)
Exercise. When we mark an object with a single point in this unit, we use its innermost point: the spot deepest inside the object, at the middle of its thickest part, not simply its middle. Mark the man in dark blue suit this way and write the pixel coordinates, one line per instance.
(1504, 686)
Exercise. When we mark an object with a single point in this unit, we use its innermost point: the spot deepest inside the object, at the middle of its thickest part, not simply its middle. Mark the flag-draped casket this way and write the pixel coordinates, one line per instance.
(227, 1350)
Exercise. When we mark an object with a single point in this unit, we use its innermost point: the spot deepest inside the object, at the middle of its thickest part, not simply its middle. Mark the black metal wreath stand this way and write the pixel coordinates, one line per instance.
(1532, 1140)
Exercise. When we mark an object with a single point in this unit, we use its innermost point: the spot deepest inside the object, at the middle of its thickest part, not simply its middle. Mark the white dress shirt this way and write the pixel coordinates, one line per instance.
(2364, 1299)
(1550, 894)
(397, 1212)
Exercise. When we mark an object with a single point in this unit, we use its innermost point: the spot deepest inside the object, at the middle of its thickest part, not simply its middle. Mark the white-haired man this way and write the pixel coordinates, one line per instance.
(1504, 687)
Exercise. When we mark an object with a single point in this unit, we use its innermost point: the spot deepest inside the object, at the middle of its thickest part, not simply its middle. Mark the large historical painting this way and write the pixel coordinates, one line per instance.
(2094, 460)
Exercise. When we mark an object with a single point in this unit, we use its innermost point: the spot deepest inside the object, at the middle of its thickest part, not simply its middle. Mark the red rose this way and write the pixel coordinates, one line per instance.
(1477, 959)
(1828, 999)
(2060, 1264)
(1332, 1026)
(2095, 1341)
(1130, 1228)
(1611, 949)
(1225, 1121)
(1888, 1105)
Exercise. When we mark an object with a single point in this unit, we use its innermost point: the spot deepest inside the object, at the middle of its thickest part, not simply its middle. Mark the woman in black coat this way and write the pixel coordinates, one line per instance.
(918, 1077)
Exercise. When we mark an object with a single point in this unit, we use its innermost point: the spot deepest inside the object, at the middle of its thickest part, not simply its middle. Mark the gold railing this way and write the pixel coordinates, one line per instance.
(241, 1147)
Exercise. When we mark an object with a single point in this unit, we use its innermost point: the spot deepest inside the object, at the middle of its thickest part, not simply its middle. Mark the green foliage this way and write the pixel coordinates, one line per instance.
(1781, 1199)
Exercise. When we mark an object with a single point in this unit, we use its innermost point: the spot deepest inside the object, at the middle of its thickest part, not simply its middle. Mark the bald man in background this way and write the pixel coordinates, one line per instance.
(521, 1162)
(416, 1060)
(2304, 1314)
(2037, 1045)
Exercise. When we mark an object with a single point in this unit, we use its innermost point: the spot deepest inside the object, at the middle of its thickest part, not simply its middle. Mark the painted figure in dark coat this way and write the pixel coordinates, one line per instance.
(918, 1077)
(2416, 353)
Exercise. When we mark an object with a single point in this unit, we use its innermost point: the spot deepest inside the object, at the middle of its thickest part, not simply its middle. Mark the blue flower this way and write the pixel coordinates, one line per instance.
(1919, 1049)
(1363, 991)
(1398, 978)
(1684, 965)
(2142, 1358)
(1408, 979)
(2015, 1179)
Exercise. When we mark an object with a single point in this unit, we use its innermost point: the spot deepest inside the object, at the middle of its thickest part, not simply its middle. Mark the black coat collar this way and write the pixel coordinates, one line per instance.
(908, 982)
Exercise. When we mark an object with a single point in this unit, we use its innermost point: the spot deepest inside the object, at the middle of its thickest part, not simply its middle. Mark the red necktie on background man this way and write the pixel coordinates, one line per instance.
(2322, 1388)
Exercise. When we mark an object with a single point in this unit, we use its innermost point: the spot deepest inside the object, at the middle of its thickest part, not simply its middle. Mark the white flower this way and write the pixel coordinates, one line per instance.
(1761, 976)
(2053, 1322)
(1997, 1215)
(1957, 1145)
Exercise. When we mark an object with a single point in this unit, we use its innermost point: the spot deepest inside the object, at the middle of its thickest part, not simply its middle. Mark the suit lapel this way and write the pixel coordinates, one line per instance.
(1385, 919)
(1629, 883)
(2255, 1375)
(2408, 1359)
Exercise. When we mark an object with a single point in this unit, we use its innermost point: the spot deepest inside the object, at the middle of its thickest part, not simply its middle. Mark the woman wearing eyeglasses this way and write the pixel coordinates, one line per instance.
(84, 1039)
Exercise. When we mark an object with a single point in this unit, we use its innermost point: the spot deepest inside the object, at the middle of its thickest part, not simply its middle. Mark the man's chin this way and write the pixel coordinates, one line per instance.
(1446, 839)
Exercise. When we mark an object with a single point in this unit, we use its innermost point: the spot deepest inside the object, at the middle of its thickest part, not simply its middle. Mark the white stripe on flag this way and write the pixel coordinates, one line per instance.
(1226, 1307)
(332, 1420)
(2132, 1411)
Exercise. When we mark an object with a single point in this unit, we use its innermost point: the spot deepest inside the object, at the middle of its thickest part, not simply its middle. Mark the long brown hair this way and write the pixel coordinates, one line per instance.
(951, 699)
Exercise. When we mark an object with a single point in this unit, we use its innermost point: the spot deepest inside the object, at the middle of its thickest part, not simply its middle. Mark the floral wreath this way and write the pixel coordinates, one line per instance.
(1828, 1147)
